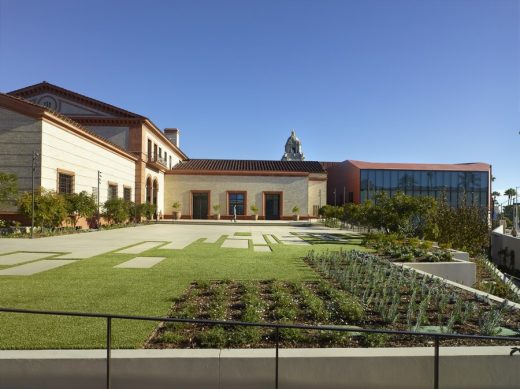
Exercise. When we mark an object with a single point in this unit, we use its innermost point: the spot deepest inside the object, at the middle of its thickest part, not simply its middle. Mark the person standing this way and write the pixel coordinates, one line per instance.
(235, 213)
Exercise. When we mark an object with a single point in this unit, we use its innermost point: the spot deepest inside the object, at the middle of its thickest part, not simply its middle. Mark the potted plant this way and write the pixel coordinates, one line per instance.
(254, 209)
(176, 206)
(296, 212)
(216, 209)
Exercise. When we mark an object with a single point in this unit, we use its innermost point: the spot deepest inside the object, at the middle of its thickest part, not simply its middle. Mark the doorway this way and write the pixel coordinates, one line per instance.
(200, 203)
(273, 204)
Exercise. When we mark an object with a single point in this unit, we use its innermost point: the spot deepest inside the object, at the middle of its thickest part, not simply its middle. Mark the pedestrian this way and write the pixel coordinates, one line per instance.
(235, 213)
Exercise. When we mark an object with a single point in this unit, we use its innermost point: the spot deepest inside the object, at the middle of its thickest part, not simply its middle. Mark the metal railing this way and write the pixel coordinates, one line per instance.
(108, 317)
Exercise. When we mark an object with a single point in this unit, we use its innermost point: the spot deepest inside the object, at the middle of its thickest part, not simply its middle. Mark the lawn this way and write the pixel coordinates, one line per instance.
(94, 285)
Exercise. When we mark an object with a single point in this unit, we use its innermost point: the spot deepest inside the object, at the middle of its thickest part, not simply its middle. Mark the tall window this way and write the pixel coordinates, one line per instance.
(65, 183)
(237, 199)
(112, 191)
(127, 193)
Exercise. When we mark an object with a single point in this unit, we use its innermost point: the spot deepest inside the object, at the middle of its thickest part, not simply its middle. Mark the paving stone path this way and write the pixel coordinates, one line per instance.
(140, 263)
(16, 252)
(35, 267)
(16, 258)
(140, 248)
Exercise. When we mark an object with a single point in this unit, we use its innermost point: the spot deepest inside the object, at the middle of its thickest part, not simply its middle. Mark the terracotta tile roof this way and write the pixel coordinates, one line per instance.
(234, 165)
(472, 166)
(66, 119)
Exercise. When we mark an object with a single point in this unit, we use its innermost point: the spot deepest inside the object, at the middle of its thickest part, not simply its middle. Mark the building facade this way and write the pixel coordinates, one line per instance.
(274, 187)
(358, 181)
(83, 144)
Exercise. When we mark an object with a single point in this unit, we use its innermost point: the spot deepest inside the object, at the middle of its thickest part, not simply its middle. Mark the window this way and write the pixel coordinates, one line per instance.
(65, 183)
(127, 194)
(112, 191)
(170, 161)
(237, 199)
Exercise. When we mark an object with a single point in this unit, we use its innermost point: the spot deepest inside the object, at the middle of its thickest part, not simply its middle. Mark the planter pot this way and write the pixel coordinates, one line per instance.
(296, 217)
(176, 215)
(217, 216)
(255, 217)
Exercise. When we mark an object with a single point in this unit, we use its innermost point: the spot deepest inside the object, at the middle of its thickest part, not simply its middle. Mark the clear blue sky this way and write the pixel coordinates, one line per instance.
(375, 80)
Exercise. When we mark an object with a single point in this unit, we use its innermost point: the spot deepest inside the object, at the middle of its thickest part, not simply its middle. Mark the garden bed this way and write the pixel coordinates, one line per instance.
(373, 296)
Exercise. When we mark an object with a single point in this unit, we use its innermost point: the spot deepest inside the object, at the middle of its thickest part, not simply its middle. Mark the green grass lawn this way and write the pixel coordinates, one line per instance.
(94, 285)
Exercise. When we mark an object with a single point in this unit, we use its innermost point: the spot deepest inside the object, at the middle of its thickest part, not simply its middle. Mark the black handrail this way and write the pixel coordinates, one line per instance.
(109, 316)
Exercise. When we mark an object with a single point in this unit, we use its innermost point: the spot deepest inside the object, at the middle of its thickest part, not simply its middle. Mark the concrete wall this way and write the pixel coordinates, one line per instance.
(459, 367)
(64, 150)
(505, 249)
(462, 272)
(295, 191)
(20, 135)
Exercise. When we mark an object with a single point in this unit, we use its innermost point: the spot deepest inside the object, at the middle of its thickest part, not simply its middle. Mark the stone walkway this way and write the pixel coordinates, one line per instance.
(35, 267)
(136, 240)
(140, 263)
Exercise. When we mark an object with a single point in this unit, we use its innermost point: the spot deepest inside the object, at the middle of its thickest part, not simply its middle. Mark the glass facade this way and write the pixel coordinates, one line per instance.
(473, 185)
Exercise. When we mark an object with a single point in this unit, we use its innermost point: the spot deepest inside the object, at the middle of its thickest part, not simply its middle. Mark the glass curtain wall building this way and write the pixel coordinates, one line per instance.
(473, 185)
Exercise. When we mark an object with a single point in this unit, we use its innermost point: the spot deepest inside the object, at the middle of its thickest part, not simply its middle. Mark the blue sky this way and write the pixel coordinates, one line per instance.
(375, 80)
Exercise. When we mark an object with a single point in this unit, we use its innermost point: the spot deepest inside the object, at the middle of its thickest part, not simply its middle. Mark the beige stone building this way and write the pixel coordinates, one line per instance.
(82, 144)
(274, 187)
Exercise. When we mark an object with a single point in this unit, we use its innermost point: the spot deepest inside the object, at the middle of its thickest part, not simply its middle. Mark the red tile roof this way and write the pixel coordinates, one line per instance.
(472, 166)
(234, 165)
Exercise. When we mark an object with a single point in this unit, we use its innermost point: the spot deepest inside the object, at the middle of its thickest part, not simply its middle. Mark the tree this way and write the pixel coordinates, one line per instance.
(116, 210)
(49, 208)
(510, 193)
(80, 205)
(8, 187)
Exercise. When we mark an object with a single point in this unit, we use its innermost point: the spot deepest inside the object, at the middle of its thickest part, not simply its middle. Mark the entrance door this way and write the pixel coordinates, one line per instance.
(200, 205)
(272, 206)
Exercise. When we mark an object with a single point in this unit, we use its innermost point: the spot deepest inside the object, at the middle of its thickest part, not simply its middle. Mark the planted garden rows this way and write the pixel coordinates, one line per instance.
(364, 291)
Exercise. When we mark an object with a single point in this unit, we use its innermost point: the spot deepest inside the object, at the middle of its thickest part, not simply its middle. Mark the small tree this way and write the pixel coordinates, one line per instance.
(8, 187)
(296, 210)
(116, 210)
(80, 205)
(49, 208)
(254, 209)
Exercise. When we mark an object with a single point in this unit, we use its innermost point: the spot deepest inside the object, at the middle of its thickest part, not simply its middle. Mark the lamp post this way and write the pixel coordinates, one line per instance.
(33, 168)
(514, 231)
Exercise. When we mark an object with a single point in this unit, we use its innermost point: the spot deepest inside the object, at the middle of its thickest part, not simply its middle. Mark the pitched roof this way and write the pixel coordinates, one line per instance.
(234, 165)
(472, 166)
(34, 110)
(45, 86)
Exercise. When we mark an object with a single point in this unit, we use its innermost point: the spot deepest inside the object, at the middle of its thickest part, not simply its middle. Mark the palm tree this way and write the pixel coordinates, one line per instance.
(496, 194)
(510, 193)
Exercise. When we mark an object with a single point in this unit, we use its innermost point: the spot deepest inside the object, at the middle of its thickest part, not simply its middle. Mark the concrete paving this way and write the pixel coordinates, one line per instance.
(35, 267)
(16, 258)
(262, 249)
(235, 244)
(140, 263)
(140, 248)
(90, 244)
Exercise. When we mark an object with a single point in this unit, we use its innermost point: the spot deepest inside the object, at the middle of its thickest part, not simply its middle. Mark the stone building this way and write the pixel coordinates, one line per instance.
(78, 139)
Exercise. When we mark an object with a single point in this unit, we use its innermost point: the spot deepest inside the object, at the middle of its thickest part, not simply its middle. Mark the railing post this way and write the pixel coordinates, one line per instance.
(436, 364)
(109, 349)
(277, 339)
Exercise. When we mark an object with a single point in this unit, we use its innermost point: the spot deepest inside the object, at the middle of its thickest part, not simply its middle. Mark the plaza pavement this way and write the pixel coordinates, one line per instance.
(140, 238)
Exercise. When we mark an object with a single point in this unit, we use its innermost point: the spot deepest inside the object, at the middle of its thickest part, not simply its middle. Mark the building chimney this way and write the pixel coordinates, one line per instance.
(173, 135)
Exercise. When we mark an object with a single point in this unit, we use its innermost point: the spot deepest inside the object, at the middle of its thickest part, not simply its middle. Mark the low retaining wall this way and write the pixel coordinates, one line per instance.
(459, 271)
(460, 367)
(505, 249)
